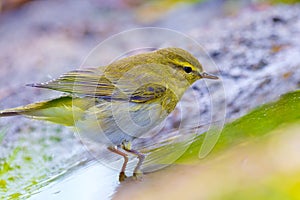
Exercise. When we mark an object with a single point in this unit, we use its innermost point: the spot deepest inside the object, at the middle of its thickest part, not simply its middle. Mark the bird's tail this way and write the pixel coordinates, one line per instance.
(62, 110)
(7, 113)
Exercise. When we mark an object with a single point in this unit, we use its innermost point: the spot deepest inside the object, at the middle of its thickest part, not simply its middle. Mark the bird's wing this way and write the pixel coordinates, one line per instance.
(147, 92)
(92, 82)
(85, 82)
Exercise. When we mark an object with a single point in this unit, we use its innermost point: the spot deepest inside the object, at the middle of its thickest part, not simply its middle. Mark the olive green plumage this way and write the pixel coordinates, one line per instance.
(120, 101)
(161, 76)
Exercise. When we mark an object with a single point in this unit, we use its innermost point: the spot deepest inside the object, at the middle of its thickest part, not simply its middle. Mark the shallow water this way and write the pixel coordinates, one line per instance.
(92, 182)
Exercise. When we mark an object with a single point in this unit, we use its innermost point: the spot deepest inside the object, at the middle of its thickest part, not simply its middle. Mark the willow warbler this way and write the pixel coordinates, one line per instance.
(117, 103)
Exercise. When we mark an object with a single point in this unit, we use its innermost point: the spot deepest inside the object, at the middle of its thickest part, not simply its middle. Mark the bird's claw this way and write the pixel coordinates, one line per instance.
(122, 176)
(137, 175)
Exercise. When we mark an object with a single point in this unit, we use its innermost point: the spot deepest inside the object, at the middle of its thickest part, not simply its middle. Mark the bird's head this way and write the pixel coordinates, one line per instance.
(185, 63)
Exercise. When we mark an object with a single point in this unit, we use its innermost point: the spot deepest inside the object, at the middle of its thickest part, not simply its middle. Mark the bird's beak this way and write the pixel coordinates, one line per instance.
(208, 76)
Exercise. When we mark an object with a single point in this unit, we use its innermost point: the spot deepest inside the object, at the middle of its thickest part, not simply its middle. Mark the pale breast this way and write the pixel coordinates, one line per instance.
(113, 122)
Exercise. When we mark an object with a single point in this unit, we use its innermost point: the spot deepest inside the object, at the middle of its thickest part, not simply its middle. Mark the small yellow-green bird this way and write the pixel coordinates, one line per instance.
(117, 103)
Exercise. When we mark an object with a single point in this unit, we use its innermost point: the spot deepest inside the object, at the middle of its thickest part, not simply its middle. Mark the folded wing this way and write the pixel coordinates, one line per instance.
(92, 82)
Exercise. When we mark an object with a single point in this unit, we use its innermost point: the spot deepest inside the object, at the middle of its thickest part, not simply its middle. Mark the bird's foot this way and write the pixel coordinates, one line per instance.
(138, 175)
(122, 176)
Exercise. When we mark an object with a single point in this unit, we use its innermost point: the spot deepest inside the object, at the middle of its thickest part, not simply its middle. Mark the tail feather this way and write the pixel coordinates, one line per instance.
(8, 113)
(60, 110)
(38, 85)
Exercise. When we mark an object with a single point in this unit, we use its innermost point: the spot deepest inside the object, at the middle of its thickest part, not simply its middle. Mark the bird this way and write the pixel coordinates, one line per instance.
(119, 102)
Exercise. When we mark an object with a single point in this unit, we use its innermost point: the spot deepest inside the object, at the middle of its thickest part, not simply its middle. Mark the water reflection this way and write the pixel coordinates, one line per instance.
(92, 182)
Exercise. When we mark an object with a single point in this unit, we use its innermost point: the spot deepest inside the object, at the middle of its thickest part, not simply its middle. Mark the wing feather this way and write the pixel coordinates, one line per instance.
(91, 82)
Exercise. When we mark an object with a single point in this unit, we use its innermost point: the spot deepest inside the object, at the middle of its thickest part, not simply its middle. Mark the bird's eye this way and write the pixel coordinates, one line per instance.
(187, 69)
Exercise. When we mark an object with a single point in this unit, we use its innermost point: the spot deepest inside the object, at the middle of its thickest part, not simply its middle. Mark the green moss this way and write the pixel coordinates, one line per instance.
(15, 196)
(47, 158)
(27, 158)
(5, 167)
(257, 123)
(3, 184)
(55, 138)
(283, 1)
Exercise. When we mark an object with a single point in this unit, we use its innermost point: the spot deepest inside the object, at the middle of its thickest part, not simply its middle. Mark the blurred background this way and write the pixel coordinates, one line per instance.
(256, 46)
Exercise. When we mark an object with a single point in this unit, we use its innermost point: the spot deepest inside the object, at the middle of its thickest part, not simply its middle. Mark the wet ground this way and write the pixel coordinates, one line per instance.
(256, 50)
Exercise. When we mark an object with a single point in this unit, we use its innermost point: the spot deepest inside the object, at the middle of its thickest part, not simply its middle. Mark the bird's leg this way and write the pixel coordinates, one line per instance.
(141, 157)
(115, 149)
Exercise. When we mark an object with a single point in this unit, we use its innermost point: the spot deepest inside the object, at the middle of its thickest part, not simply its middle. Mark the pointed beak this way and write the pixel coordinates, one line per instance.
(208, 76)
